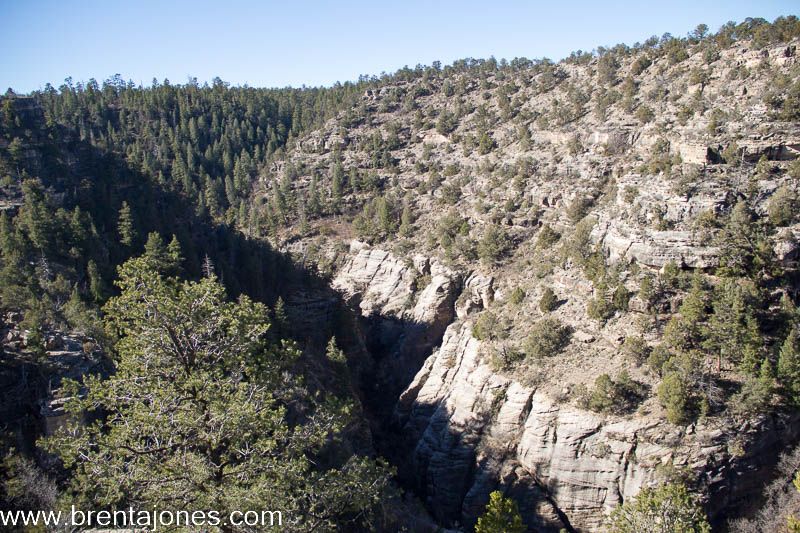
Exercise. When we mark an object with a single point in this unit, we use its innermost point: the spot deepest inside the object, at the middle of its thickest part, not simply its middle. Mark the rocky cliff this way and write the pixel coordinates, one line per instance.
(463, 430)
(474, 196)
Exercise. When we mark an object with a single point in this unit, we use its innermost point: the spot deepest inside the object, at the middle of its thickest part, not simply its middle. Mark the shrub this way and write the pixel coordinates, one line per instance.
(789, 366)
(636, 348)
(783, 206)
(547, 237)
(501, 514)
(600, 308)
(517, 296)
(640, 65)
(447, 122)
(548, 301)
(578, 246)
(732, 154)
(629, 194)
(486, 144)
(676, 397)
(614, 395)
(548, 337)
(494, 244)
(487, 327)
(669, 507)
(658, 357)
(644, 114)
(620, 298)
(756, 393)
(578, 208)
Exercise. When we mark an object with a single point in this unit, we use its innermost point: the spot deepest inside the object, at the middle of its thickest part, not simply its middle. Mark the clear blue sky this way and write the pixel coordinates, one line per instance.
(296, 42)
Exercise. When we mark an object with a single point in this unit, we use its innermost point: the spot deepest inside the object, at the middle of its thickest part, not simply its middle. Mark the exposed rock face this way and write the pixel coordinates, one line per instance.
(404, 321)
(38, 389)
(469, 431)
(478, 294)
(655, 193)
(657, 248)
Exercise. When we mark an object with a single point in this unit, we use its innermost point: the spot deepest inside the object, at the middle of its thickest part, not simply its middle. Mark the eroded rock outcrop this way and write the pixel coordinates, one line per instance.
(469, 431)
(406, 307)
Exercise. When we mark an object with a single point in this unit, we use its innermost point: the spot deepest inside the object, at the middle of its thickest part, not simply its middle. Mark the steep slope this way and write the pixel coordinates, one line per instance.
(563, 281)
(605, 180)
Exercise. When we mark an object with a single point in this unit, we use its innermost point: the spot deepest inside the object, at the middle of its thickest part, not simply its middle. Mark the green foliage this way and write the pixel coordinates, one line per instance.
(377, 220)
(669, 508)
(487, 327)
(486, 144)
(517, 296)
(548, 301)
(618, 395)
(640, 65)
(578, 246)
(501, 516)
(789, 366)
(636, 348)
(600, 308)
(547, 237)
(677, 397)
(202, 382)
(732, 155)
(733, 332)
(783, 206)
(579, 208)
(744, 247)
(494, 244)
(658, 357)
(756, 394)
(447, 122)
(406, 222)
(685, 331)
(125, 225)
(620, 298)
(548, 337)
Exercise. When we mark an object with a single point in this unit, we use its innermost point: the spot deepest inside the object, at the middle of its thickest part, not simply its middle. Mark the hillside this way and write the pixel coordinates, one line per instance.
(564, 281)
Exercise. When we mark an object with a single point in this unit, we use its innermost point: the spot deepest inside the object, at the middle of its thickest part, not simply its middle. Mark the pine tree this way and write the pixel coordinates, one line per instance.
(207, 392)
(501, 516)
(314, 204)
(175, 254)
(548, 301)
(385, 216)
(96, 284)
(685, 331)
(125, 225)
(733, 331)
(406, 222)
(279, 317)
(159, 257)
(668, 508)
(789, 366)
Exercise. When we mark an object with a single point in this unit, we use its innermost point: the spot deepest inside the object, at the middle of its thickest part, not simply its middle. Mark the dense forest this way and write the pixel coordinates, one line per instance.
(166, 228)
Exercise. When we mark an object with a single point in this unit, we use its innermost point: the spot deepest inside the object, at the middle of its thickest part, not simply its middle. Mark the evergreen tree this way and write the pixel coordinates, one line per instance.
(501, 516)
(744, 249)
(685, 330)
(669, 508)
(96, 284)
(406, 222)
(125, 225)
(548, 301)
(733, 332)
(209, 396)
(789, 366)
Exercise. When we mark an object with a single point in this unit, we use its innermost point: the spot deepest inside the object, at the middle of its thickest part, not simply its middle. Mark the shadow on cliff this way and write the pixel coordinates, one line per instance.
(455, 470)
